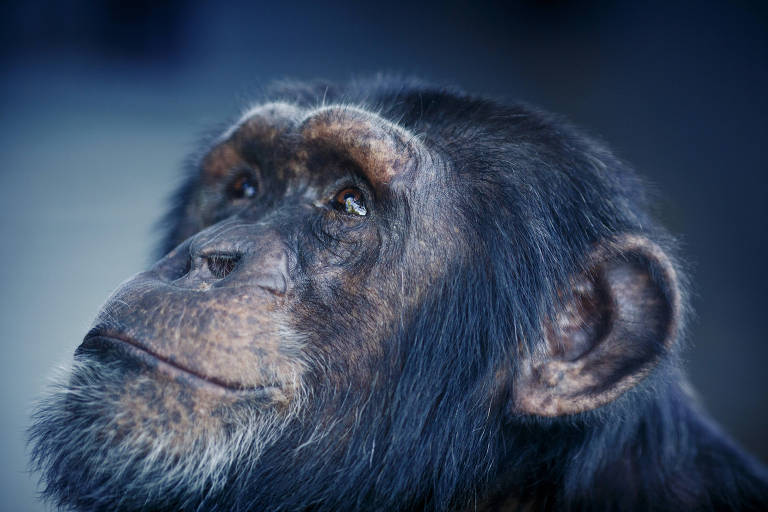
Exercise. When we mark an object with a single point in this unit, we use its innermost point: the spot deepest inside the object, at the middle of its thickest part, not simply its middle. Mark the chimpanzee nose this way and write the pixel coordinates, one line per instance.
(228, 255)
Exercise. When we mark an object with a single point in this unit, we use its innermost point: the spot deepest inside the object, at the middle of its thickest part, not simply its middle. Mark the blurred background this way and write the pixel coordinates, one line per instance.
(101, 101)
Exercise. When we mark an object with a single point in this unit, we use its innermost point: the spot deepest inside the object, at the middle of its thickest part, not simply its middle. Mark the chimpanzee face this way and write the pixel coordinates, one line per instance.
(308, 245)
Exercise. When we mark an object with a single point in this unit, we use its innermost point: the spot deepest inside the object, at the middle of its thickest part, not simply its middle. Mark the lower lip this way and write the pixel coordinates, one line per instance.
(130, 348)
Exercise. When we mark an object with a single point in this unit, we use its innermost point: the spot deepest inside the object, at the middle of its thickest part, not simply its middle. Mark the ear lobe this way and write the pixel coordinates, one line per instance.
(617, 322)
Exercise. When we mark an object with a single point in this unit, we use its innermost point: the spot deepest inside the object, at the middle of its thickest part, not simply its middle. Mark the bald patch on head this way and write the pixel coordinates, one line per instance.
(382, 149)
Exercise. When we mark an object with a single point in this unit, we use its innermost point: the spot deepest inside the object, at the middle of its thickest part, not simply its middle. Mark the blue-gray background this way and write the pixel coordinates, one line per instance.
(100, 102)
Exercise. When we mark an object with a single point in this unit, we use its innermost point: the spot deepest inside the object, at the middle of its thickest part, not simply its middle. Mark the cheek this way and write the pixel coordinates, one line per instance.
(348, 323)
(333, 249)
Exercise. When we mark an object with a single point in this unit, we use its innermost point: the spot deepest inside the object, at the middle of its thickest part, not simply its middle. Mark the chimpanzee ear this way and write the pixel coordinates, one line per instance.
(616, 323)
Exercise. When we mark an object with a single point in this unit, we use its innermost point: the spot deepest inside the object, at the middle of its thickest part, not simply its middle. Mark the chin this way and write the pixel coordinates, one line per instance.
(119, 433)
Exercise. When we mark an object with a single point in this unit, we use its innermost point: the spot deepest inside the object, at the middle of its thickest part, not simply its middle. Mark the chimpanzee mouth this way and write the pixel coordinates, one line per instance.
(105, 340)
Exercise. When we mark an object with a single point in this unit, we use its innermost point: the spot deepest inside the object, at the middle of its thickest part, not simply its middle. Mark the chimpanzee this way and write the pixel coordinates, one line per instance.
(393, 296)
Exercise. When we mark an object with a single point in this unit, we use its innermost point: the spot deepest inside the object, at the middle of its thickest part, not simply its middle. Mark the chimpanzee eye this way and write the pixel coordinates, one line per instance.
(350, 200)
(244, 187)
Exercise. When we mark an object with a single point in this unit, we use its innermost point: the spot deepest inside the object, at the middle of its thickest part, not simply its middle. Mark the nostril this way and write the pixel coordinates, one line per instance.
(221, 265)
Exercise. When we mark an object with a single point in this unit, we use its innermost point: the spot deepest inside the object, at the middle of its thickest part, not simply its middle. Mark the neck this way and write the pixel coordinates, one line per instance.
(665, 456)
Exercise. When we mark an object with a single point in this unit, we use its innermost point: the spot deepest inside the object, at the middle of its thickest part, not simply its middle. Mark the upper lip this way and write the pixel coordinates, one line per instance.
(102, 333)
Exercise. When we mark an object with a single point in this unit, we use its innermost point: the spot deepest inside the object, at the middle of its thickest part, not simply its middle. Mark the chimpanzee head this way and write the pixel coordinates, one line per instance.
(371, 298)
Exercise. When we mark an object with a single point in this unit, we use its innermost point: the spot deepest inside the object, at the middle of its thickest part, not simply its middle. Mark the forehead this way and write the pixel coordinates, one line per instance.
(289, 137)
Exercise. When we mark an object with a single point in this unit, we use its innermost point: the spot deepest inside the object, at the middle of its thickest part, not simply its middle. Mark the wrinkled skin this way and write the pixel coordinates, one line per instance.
(439, 304)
